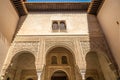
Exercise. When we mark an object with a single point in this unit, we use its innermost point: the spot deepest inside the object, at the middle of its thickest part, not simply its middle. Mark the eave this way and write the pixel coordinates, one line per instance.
(56, 6)
(95, 6)
(20, 7)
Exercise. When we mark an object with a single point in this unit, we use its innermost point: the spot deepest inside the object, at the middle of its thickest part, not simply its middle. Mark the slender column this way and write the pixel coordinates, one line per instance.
(2, 77)
(83, 74)
(39, 74)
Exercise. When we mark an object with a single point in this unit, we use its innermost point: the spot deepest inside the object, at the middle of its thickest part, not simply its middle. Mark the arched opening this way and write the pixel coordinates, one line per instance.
(89, 78)
(22, 66)
(8, 78)
(59, 75)
(62, 25)
(55, 25)
(65, 62)
(99, 65)
(29, 79)
(93, 67)
(59, 56)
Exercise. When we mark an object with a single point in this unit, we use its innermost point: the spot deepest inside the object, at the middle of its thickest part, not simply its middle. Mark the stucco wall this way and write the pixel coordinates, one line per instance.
(78, 23)
(109, 16)
(40, 23)
(8, 23)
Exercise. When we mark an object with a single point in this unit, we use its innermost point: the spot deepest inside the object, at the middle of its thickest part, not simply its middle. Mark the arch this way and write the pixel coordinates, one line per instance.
(59, 75)
(60, 51)
(63, 52)
(8, 78)
(89, 78)
(64, 46)
(102, 53)
(93, 65)
(29, 79)
(24, 50)
(104, 64)
(23, 61)
(21, 52)
(15, 54)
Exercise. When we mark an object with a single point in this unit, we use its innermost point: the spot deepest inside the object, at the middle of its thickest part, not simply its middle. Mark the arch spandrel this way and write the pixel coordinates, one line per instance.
(52, 44)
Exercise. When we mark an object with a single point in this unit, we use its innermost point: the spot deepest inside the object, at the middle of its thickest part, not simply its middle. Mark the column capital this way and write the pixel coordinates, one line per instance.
(83, 72)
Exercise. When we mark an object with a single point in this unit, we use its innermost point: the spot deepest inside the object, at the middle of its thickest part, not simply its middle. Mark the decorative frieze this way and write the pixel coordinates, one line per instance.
(25, 46)
(68, 44)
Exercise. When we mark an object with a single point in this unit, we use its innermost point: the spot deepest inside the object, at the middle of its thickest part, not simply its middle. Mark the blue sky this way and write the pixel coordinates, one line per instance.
(58, 0)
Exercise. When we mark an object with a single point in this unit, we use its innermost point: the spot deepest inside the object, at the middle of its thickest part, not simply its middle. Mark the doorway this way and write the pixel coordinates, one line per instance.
(59, 75)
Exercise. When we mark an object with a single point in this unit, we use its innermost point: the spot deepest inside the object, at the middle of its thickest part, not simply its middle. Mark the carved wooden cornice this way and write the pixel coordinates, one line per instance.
(20, 7)
(95, 6)
(56, 6)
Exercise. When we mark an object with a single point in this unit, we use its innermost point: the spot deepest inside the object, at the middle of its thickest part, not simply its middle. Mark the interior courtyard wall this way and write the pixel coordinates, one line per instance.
(83, 35)
(109, 18)
(8, 22)
(46, 42)
(40, 23)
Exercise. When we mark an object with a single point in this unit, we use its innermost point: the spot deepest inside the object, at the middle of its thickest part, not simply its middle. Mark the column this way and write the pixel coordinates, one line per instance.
(2, 77)
(39, 74)
(83, 74)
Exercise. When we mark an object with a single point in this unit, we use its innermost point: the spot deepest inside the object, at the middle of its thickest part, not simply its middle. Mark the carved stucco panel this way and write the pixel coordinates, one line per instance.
(49, 44)
(93, 45)
(28, 46)
(18, 47)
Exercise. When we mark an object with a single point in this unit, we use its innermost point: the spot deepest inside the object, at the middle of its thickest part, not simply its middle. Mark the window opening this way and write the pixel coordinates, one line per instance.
(64, 60)
(54, 60)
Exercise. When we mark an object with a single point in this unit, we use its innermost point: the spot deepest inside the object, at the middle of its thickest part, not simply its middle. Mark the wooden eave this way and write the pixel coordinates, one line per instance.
(20, 7)
(56, 6)
(23, 7)
(95, 6)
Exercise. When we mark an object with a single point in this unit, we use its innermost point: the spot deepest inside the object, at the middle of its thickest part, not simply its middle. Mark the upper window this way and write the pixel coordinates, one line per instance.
(62, 25)
(55, 25)
(89, 78)
(8, 78)
(29, 79)
(58, 26)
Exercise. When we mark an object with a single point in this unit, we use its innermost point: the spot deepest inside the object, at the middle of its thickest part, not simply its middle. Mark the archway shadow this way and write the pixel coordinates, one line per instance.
(22, 67)
(59, 75)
